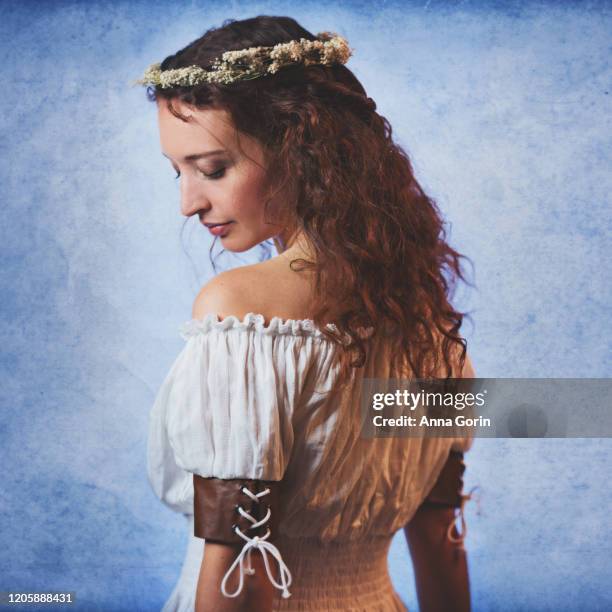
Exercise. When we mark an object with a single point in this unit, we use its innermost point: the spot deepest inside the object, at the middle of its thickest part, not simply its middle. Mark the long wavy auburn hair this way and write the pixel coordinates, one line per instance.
(382, 260)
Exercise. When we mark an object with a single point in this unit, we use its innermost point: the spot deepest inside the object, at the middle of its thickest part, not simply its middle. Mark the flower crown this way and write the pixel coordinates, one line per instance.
(254, 62)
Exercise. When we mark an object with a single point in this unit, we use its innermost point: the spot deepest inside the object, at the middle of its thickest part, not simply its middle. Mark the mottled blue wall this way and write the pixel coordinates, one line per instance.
(505, 110)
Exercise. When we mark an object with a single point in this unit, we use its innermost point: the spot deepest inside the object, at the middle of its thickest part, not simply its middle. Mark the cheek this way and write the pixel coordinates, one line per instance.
(249, 195)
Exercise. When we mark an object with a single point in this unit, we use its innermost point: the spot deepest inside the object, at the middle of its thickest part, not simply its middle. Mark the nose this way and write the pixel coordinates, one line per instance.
(193, 198)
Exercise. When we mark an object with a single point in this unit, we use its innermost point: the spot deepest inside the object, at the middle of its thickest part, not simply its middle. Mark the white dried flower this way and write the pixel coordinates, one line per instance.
(253, 62)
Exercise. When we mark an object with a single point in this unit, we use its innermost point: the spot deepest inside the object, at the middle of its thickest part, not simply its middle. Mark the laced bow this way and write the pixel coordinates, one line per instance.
(259, 543)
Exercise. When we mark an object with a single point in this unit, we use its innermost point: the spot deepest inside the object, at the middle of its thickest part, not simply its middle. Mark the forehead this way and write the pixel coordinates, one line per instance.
(205, 129)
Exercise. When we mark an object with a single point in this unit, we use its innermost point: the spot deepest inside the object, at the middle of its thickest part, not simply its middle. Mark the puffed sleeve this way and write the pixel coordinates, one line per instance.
(230, 404)
(227, 416)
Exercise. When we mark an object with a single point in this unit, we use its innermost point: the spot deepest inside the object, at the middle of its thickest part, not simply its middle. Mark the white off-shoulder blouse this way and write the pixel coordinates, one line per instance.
(246, 399)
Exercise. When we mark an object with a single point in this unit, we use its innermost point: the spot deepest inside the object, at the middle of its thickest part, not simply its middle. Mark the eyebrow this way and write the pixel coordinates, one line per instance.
(195, 156)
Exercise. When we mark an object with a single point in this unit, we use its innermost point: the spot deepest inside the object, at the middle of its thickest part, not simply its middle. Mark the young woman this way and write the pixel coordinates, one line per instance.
(255, 433)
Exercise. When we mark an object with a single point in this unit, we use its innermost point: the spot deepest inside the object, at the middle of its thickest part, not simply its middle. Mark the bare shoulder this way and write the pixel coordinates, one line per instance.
(269, 288)
(233, 292)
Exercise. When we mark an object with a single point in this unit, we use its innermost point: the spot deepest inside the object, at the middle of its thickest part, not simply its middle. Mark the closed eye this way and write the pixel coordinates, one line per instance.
(214, 176)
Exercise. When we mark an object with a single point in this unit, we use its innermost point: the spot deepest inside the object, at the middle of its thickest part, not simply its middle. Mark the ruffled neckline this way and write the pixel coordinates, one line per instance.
(256, 322)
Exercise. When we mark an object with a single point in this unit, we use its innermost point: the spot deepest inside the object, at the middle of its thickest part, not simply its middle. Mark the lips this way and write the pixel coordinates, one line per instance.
(218, 229)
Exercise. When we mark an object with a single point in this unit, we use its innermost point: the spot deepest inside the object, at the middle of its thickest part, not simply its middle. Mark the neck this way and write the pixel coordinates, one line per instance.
(294, 245)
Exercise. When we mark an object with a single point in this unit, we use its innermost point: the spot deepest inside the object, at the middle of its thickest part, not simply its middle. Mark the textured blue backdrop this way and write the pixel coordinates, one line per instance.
(505, 110)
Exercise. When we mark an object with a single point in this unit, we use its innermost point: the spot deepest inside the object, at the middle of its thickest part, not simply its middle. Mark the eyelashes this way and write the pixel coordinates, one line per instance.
(214, 176)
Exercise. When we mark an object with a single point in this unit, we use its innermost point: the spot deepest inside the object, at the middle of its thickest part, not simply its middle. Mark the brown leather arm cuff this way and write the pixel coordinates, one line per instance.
(449, 487)
(215, 508)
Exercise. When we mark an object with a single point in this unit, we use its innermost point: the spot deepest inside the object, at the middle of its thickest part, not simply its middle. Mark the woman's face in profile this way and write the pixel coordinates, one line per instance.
(222, 173)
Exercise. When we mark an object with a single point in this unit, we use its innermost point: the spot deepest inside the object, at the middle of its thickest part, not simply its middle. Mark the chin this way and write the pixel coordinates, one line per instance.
(237, 246)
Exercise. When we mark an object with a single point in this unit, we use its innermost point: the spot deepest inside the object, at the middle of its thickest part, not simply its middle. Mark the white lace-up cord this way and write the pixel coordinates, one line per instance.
(449, 532)
(260, 543)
